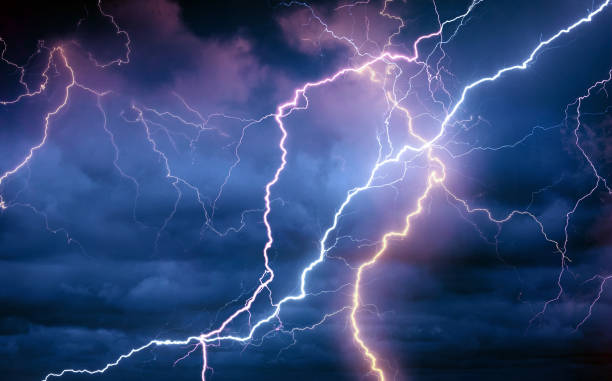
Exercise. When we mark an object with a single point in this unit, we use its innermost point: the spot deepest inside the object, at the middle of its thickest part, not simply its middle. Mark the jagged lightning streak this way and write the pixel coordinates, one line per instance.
(578, 102)
(200, 127)
(435, 176)
(19, 68)
(603, 279)
(120, 32)
(267, 277)
(55, 52)
(560, 247)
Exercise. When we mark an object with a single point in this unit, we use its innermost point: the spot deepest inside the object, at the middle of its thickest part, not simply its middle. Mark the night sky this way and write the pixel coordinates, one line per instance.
(140, 212)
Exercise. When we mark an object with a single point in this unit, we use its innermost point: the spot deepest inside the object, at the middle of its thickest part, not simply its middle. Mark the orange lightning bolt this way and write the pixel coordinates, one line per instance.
(437, 174)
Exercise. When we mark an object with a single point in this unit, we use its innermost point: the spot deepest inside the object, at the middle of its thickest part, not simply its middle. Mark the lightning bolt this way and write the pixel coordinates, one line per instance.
(436, 170)
(438, 178)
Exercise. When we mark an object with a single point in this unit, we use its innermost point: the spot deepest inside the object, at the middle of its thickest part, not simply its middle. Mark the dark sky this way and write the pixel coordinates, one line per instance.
(141, 215)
